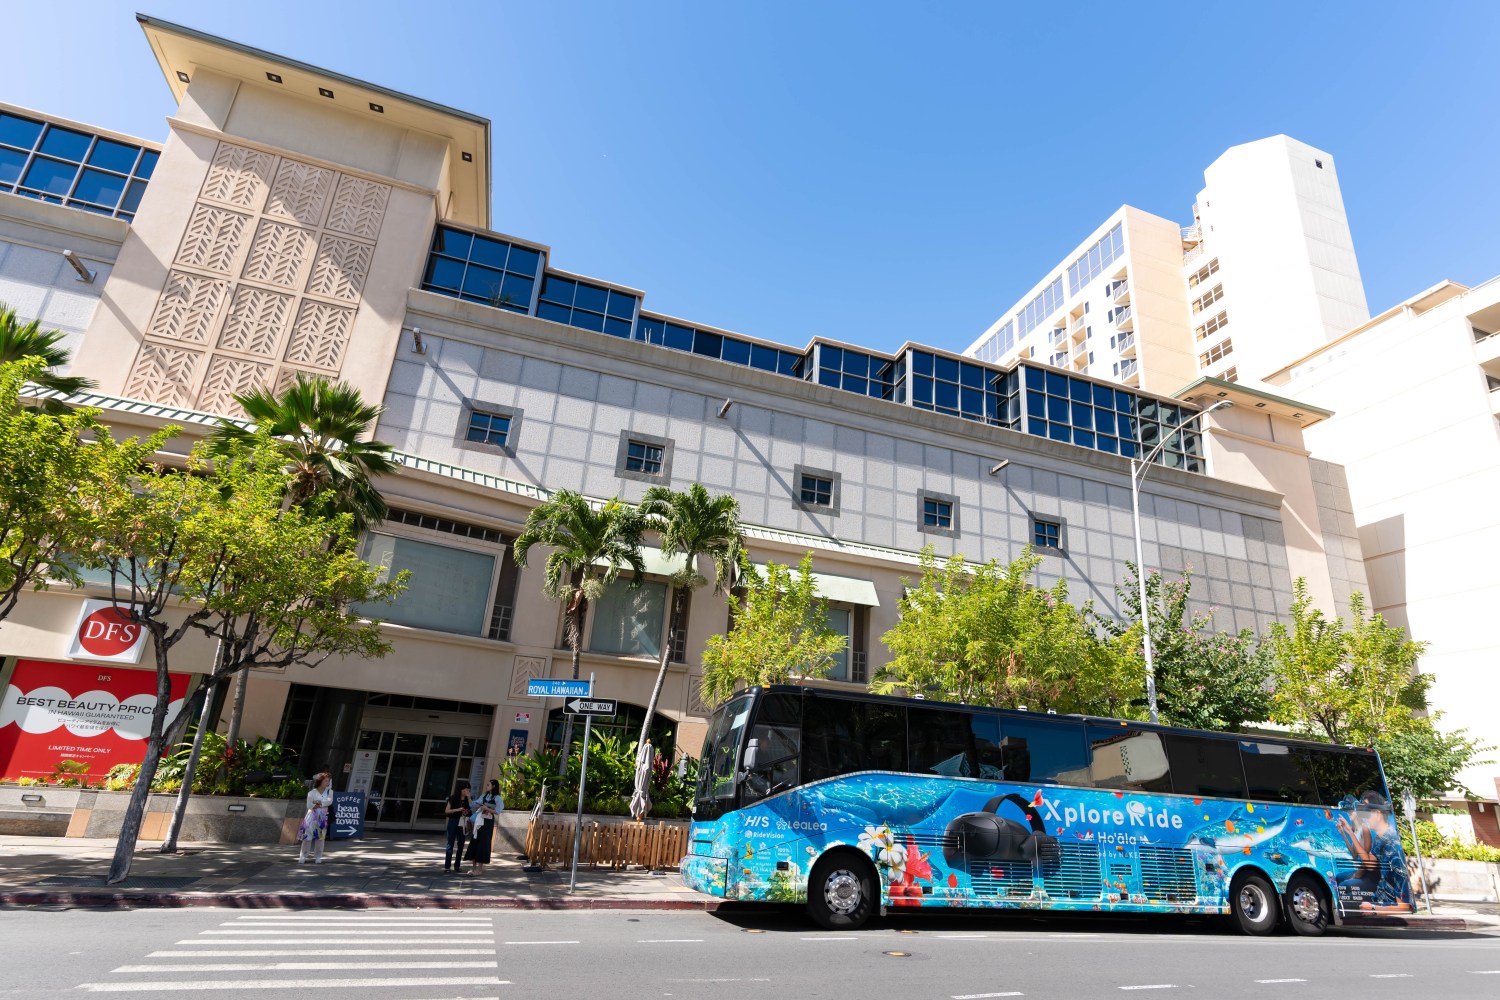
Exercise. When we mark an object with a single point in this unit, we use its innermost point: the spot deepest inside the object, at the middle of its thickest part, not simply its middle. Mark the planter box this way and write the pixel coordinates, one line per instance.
(37, 810)
(1476, 881)
(208, 817)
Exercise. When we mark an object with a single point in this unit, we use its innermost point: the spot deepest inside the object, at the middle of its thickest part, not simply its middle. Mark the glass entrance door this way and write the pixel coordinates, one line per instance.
(414, 775)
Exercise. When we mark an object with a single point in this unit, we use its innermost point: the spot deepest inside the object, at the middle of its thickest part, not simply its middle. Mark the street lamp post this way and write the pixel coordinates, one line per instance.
(1138, 469)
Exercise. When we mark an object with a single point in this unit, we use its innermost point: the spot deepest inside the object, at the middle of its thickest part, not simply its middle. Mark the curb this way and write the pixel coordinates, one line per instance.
(354, 901)
(1418, 923)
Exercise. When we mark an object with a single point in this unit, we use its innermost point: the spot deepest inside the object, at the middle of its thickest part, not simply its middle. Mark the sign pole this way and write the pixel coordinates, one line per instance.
(583, 774)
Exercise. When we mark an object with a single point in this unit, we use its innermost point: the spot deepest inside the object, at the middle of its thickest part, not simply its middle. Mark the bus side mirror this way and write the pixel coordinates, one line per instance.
(752, 755)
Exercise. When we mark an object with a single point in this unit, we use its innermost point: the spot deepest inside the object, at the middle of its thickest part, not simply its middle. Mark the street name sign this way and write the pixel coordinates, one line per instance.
(541, 688)
(597, 706)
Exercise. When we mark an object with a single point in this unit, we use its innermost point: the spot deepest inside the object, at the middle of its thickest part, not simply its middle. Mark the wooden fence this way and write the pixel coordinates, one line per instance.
(617, 843)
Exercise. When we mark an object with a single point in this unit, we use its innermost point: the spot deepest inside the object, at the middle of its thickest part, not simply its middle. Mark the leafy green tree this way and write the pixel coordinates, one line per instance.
(1204, 679)
(1357, 681)
(322, 429)
(691, 523)
(589, 547)
(19, 339)
(48, 467)
(986, 635)
(295, 595)
(780, 633)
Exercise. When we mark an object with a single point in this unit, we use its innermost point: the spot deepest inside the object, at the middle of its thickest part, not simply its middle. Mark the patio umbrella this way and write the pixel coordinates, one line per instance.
(640, 799)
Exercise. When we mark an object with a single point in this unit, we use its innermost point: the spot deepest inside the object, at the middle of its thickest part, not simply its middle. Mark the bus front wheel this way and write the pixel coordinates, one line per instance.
(842, 893)
(1253, 904)
(1307, 906)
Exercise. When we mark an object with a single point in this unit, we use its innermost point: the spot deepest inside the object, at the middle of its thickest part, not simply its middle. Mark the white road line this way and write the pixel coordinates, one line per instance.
(352, 931)
(301, 966)
(969, 937)
(1281, 980)
(830, 939)
(281, 984)
(541, 942)
(357, 925)
(1390, 975)
(1484, 972)
(1156, 986)
(373, 918)
(333, 952)
(985, 996)
(310, 940)
(762, 980)
(670, 941)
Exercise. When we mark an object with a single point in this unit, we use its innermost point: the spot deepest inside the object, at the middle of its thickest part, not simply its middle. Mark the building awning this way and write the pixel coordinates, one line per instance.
(840, 589)
(653, 561)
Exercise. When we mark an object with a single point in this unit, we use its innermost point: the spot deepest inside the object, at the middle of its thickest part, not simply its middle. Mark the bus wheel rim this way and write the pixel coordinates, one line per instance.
(843, 891)
(1306, 905)
(1253, 902)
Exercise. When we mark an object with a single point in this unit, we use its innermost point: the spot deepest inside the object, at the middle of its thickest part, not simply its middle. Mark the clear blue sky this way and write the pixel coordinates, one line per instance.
(873, 172)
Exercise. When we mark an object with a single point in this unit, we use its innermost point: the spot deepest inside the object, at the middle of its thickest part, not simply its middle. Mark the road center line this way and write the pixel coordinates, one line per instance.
(968, 937)
(308, 941)
(1484, 972)
(670, 941)
(301, 966)
(1390, 975)
(541, 942)
(1154, 986)
(1281, 980)
(985, 996)
(282, 984)
(830, 939)
(332, 952)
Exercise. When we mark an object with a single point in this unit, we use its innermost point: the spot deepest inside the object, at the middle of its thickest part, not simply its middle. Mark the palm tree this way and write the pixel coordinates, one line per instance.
(323, 427)
(691, 523)
(19, 339)
(582, 538)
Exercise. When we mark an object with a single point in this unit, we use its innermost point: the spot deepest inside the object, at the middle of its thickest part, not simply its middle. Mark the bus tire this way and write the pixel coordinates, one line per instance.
(842, 893)
(1308, 911)
(1253, 904)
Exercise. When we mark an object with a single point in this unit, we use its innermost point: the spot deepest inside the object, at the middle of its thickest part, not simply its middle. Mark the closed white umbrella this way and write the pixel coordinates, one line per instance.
(640, 799)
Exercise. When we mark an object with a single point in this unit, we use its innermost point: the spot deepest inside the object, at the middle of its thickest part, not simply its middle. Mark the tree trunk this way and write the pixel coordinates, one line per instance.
(179, 810)
(135, 810)
(232, 737)
(574, 629)
(661, 673)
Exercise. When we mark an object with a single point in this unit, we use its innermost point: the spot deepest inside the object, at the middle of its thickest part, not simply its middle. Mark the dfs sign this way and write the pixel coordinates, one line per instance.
(107, 633)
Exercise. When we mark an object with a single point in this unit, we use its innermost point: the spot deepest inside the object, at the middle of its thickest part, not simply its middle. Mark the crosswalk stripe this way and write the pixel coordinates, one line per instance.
(263, 952)
(350, 924)
(404, 918)
(300, 966)
(171, 986)
(242, 932)
(310, 940)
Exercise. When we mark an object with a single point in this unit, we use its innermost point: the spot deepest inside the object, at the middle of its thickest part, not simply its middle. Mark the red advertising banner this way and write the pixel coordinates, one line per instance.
(97, 715)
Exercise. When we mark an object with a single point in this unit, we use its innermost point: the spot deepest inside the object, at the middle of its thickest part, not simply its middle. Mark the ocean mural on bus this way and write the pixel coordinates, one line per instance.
(939, 841)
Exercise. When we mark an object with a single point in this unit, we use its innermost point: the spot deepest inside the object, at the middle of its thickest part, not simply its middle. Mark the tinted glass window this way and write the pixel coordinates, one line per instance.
(1346, 777)
(113, 155)
(1043, 752)
(21, 132)
(1277, 772)
(840, 737)
(778, 730)
(721, 750)
(1128, 758)
(940, 742)
(1203, 766)
(65, 143)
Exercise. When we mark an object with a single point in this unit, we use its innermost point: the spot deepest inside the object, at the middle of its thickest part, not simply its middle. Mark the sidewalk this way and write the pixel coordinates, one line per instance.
(396, 870)
(384, 869)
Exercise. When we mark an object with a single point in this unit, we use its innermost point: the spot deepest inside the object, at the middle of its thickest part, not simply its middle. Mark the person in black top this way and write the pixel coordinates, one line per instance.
(457, 812)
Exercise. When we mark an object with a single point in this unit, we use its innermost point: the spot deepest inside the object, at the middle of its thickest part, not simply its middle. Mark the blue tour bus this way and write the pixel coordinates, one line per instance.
(853, 802)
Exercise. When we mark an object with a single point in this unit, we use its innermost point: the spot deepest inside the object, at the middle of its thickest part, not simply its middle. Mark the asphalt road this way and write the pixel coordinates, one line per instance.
(760, 953)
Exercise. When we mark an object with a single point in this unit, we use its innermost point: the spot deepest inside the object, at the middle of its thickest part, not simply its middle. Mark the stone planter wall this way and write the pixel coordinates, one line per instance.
(36, 810)
(1476, 881)
(82, 812)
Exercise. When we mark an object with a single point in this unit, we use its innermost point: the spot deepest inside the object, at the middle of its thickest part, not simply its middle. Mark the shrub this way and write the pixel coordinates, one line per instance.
(69, 774)
(252, 765)
(610, 782)
(1436, 845)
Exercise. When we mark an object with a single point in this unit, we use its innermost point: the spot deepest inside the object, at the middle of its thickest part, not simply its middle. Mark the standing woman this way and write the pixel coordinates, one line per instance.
(314, 828)
(457, 811)
(484, 810)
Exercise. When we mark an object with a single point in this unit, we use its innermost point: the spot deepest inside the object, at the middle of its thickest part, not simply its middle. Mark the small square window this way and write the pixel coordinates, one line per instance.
(1318, 164)
(489, 428)
(644, 458)
(937, 513)
(1046, 534)
(816, 490)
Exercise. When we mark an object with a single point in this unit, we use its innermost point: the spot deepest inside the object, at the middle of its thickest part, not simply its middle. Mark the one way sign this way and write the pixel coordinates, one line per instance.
(597, 706)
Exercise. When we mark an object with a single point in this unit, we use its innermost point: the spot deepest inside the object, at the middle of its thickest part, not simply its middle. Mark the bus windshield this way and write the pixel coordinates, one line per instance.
(721, 747)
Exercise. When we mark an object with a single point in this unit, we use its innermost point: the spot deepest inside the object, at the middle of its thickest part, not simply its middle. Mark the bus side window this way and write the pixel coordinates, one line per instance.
(1044, 752)
(1345, 776)
(778, 728)
(1128, 758)
(940, 742)
(985, 730)
(843, 736)
(1205, 766)
(1278, 773)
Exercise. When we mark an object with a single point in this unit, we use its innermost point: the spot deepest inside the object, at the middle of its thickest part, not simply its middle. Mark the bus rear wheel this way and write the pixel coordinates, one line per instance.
(1307, 906)
(1252, 903)
(841, 892)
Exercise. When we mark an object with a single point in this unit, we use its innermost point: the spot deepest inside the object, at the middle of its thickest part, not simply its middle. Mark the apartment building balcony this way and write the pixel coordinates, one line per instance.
(1124, 318)
(1495, 400)
(1059, 336)
(1080, 349)
(1130, 368)
(1120, 292)
(1126, 346)
(1191, 254)
(1059, 360)
(1078, 329)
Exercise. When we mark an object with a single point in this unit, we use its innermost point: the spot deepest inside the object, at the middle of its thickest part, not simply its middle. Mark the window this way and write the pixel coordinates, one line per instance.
(1205, 766)
(1128, 758)
(1213, 326)
(587, 306)
(1044, 752)
(1318, 164)
(841, 737)
(1203, 273)
(1047, 302)
(482, 269)
(1046, 534)
(817, 490)
(1208, 298)
(961, 388)
(1230, 374)
(1096, 258)
(841, 620)
(43, 160)
(706, 343)
(1278, 773)
(777, 732)
(1218, 352)
(449, 589)
(1346, 777)
(488, 428)
(942, 742)
(644, 457)
(628, 618)
(937, 514)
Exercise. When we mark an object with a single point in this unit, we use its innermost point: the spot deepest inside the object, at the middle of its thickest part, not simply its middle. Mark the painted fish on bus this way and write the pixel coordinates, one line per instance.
(935, 842)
